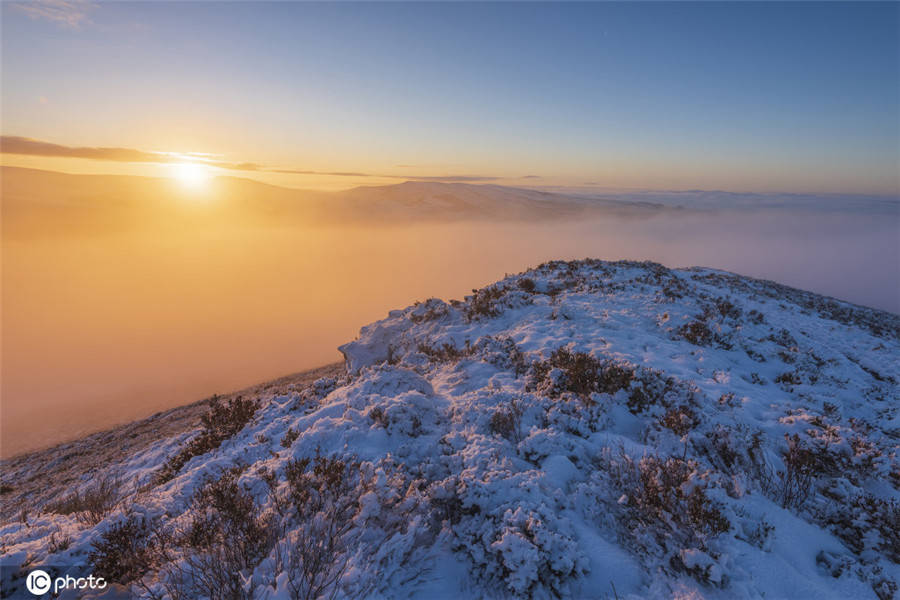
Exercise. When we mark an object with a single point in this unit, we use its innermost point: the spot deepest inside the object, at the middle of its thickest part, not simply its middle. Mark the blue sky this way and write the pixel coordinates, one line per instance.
(740, 96)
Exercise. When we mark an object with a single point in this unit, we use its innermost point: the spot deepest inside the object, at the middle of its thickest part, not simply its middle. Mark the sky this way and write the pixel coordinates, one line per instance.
(733, 96)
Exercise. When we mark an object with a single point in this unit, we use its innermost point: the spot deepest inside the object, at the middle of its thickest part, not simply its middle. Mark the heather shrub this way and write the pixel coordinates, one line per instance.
(526, 549)
(680, 419)
(652, 388)
(91, 505)
(484, 302)
(224, 540)
(756, 317)
(430, 310)
(733, 449)
(501, 352)
(330, 482)
(784, 339)
(791, 486)
(446, 353)
(714, 326)
(666, 494)
(225, 419)
(506, 421)
(579, 373)
(289, 437)
(222, 421)
(867, 522)
(58, 542)
(445, 503)
(583, 375)
(378, 417)
(226, 515)
(318, 504)
(788, 378)
(529, 554)
(727, 309)
(696, 332)
(526, 284)
(490, 301)
(123, 553)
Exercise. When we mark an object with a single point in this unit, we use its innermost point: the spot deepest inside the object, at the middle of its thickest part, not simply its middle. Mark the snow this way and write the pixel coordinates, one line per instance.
(516, 485)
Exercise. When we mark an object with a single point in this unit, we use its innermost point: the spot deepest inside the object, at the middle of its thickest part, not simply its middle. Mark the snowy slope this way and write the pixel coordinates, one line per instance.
(584, 430)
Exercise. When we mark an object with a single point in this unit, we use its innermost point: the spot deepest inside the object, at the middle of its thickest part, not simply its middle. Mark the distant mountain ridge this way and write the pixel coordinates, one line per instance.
(477, 201)
(102, 201)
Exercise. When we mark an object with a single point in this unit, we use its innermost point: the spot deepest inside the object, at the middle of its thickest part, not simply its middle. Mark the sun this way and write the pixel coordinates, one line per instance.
(192, 175)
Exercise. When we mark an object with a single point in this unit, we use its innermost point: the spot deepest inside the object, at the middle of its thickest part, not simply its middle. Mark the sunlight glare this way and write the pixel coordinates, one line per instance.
(192, 175)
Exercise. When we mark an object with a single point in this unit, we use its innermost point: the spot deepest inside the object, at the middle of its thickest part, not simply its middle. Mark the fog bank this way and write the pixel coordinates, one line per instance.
(101, 329)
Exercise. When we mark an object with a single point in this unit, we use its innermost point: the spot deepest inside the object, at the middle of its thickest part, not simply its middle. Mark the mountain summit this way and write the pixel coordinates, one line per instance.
(584, 430)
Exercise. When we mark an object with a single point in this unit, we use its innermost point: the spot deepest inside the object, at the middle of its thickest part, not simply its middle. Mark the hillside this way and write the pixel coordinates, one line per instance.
(582, 430)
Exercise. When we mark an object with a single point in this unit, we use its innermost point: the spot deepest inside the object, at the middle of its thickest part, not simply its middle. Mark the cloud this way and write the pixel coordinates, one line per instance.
(67, 13)
(244, 166)
(445, 178)
(11, 144)
(450, 178)
(332, 173)
(530, 177)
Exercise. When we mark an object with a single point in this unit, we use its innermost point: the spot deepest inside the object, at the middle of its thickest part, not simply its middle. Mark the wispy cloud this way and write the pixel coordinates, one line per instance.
(444, 178)
(450, 178)
(332, 173)
(67, 13)
(10, 144)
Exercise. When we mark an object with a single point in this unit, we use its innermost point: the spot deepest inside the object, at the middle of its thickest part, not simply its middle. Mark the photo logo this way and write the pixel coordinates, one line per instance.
(38, 582)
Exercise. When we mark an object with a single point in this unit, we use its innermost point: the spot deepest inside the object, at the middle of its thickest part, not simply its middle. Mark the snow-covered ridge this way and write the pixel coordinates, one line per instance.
(585, 429)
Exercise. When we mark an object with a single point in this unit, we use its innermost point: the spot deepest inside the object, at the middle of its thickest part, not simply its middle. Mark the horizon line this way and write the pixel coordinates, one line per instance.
(553, 189)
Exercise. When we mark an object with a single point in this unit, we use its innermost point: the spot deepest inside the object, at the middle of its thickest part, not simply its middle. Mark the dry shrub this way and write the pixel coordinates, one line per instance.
(582, 374)
(446, 353)
(507, 422)
(229, 535)
(123, 552)
(484, 302)
(861, 517)
(526, 284)
(221, 422)
(667, 494)
(791, 486)
(290, 436)
(58, 542)
(680, 419)
(696, 332)
(91, 505)
(226, 538)
(321, 499)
